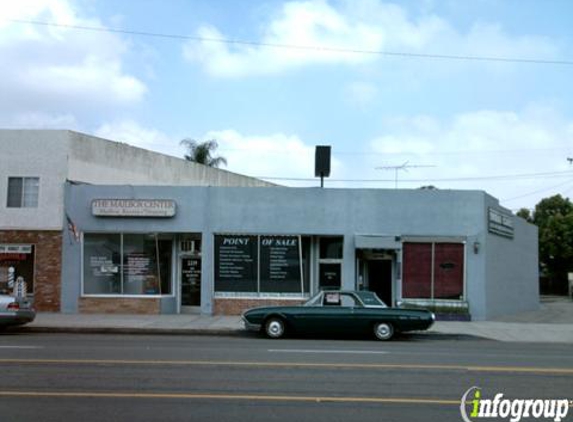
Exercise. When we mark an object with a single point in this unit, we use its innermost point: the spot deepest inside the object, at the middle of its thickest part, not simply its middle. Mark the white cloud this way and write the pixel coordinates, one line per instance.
(131, 132)
(368, 25)
(311, 23)
(478, 144)
(44, 121)
(52, 70)
(275, 155)
(360, 94)
(490, 40)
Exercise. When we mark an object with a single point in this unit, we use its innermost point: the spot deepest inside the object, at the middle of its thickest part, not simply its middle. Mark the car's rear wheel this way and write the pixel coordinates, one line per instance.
(383, 330)
(275, 327)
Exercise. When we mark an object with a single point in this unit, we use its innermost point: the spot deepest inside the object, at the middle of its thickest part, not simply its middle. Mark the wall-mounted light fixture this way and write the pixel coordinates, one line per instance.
(476, 247)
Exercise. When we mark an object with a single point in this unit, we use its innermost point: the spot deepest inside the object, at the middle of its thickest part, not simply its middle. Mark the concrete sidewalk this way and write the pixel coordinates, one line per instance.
(143, 324)
(552, 323)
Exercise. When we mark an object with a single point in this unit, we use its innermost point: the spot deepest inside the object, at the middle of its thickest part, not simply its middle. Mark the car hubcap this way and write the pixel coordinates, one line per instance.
(275, 329)
(383, 331)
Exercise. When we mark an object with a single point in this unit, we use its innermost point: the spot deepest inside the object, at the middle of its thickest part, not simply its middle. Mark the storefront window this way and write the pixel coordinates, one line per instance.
(417, 266)
(433, 271)
(146, 265)
(19, 258)
(259, 265)
(331, 247)
(129, 264)
(448, 271)
(236, 263)
(280, 264)
(102, 264)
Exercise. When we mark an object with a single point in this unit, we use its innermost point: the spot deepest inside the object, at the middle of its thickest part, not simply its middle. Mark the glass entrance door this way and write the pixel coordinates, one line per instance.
(191, 281)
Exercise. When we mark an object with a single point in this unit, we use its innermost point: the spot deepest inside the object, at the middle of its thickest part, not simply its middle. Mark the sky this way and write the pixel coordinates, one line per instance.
(447, 93)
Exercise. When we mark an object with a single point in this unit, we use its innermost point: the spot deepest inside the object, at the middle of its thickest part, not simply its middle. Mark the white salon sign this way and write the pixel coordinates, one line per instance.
(133, 207)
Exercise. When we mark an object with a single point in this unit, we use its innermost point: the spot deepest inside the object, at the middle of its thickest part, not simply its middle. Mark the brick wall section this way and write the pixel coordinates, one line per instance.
(104, 305)
(237, 306)
(47, 263)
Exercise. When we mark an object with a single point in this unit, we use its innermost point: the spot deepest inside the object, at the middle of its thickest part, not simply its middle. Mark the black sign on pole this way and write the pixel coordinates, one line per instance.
(322, 162)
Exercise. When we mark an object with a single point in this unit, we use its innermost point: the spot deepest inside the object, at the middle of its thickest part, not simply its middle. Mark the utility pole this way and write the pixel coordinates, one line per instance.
(404, 166)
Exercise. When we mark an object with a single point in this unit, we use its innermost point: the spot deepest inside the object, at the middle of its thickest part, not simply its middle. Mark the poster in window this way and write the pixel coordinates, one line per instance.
(236, 263)
(139, 274)
(280, 264)
(102, 264)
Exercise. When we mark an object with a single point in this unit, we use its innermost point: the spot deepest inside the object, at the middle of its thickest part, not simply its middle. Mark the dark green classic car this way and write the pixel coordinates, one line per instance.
(338, 312)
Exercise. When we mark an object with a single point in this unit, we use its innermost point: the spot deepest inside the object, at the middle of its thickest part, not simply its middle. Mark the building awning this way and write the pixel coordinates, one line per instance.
(376, 242)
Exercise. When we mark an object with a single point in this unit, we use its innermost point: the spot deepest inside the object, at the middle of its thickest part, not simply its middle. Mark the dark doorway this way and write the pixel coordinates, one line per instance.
(380, 279)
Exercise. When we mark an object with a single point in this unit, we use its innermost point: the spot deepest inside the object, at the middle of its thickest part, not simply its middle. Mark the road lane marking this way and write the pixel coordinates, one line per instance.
(351, 352)
(430, 367)
(211, 396)
(21, 347)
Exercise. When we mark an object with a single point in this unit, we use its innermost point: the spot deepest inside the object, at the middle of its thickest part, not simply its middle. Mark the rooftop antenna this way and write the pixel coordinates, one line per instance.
(404, 166)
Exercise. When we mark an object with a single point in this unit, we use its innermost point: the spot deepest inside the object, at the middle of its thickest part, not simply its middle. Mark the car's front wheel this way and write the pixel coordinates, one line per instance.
(275, 327)
(383, 330)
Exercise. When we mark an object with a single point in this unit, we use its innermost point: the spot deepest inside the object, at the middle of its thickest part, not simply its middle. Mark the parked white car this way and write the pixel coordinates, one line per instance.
(15, 311)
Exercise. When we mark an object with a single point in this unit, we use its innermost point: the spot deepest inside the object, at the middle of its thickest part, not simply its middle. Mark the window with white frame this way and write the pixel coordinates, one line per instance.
(127, 264)
(23, 192)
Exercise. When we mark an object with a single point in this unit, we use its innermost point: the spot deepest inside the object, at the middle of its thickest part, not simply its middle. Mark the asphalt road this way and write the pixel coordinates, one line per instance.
(75, 377)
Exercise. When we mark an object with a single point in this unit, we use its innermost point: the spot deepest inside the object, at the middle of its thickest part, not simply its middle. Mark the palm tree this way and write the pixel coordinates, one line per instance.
(201, 152)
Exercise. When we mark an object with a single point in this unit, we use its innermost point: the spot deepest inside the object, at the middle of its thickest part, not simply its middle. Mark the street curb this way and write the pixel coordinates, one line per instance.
(126, 330)
(223, 332)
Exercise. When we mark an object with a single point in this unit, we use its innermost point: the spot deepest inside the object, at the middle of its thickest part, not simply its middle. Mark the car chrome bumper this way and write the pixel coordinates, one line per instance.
(251, 327)
(20, 317)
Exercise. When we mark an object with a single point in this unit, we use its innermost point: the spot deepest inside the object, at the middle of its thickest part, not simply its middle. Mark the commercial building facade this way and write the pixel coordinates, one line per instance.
(220, 250)
(34, 168)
